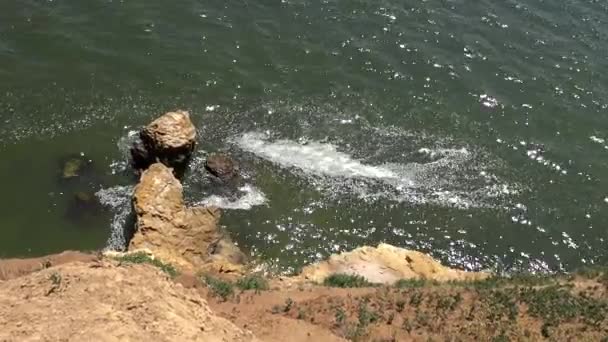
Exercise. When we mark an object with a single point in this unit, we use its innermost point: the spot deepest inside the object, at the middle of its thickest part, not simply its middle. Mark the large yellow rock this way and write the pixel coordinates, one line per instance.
(170, 139)
(185, 237)
(171, 131)
(386, 264)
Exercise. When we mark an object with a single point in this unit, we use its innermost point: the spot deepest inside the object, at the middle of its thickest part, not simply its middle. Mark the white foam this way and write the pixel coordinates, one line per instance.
(116, 196)
(312, 157)
(252, 197)
(597, 140)
(449, 177)
(119, 199)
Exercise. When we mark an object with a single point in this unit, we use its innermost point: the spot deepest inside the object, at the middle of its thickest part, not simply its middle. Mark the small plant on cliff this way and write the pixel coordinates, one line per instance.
(144, 258)
(253, 282)
(283, 308)
(288, 305)
(400, 305)
(340, 316)
(301, 314)
(449, 302)
(55, 278)
(416, 299)
(346, 281)
(220, 288)
(366, 316)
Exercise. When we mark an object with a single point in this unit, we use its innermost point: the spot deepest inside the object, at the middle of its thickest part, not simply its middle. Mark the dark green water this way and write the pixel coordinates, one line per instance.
(477, 131)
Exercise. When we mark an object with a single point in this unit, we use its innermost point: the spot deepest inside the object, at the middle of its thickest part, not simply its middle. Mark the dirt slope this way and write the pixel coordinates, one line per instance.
(103, 302)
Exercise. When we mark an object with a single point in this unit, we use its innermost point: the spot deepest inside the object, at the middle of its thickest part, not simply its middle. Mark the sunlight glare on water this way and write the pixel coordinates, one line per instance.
(475, 131)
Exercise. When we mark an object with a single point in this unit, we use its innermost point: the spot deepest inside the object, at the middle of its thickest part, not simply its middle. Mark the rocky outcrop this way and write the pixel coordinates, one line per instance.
(189, 238)
(103, 302)
(221, 166)
(170, 139)
(386, 264)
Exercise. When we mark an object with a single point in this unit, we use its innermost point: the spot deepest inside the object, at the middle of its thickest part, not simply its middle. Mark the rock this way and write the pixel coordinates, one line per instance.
(170, 139)
(105, 302)
(84, 205)
(226, 261)
(172, 131)
(386, 264)
(141, 157)
(71, 168)
(225, 250)
(74, 166)
(185, 237)
(221, 166)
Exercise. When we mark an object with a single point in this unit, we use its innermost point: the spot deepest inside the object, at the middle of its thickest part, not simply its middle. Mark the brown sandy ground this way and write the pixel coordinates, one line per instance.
(100, 301)
(110, 300)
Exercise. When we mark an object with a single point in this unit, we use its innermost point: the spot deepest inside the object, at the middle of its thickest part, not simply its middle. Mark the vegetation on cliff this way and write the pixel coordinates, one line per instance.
(523, 307)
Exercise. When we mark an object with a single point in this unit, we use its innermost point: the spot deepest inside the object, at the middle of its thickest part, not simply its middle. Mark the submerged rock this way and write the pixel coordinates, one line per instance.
(83, 206)
(186, 237)
(222, 166)
(223, 184)
(78, 178)
(386, 264)
(75, 166)
(170, 139)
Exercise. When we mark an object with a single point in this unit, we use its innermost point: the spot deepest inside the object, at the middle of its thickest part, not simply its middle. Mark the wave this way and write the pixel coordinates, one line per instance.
(118, 198)
(251, 197)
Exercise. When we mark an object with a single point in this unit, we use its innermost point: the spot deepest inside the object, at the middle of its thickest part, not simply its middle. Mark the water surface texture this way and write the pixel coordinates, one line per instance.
(473, 130)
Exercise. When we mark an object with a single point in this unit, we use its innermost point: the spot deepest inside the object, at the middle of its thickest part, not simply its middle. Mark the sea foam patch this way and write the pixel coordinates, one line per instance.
(250, 197)
(448, 177)
(311, 157)
(118, 198)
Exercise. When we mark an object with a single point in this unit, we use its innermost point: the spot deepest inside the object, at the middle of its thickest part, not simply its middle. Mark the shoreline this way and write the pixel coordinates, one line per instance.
(182, 278)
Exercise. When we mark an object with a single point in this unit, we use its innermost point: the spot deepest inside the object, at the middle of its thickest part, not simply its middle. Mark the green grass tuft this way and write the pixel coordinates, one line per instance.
(340, 316)
(220, 288)
(55, 278)
(288, 305)
(346, 281)
(556, 304)
(366, 316)
(144, 258)
(252, 282)
(518, 279)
